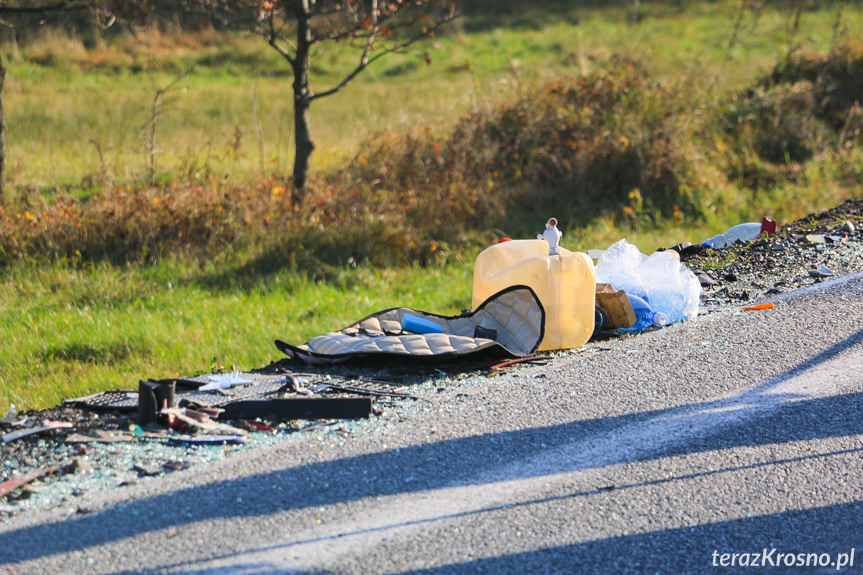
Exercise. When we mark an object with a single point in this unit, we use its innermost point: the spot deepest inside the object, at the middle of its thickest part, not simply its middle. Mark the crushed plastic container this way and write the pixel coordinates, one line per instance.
(661, 279)
(645, 316)
(565, 285)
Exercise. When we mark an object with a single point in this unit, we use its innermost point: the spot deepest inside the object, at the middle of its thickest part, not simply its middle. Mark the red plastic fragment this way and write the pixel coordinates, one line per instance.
(261, 426)
(12, 484)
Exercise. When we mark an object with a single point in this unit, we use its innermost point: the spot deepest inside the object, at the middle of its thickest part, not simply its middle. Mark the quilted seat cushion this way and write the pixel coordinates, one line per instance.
(514, 315)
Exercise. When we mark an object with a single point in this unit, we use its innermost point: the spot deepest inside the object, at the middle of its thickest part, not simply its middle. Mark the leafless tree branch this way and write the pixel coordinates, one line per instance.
(366, 60)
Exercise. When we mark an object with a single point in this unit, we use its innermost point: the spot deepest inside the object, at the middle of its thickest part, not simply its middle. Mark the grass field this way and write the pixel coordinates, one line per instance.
(64, 103)
(74, 325)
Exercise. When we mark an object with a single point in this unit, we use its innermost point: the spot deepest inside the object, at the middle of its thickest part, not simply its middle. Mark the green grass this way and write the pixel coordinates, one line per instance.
(63, 103)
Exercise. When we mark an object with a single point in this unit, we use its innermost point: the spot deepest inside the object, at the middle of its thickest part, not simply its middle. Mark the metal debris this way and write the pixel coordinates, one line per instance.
(206, 439)
(47, 425)
(143, 469)
(300, 408)
(360, 390)
(824, 272)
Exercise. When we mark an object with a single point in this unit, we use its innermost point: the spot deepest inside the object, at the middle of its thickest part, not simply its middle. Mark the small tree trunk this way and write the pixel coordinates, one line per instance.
(2, 130)
(302, 101)
(304, 145)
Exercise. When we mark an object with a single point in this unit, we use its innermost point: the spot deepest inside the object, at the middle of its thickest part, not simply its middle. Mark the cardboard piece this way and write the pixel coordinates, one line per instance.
(183, 419)
(615, 305)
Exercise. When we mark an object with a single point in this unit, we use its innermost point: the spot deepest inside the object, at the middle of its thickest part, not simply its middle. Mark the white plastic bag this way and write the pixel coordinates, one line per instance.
(667, 284)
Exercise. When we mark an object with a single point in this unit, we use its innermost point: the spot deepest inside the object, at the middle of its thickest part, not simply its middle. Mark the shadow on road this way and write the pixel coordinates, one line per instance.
(769, 418)
(691, 549)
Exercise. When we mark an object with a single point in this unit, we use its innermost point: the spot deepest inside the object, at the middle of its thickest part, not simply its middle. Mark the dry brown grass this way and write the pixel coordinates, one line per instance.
(567, 146)
(609, 144)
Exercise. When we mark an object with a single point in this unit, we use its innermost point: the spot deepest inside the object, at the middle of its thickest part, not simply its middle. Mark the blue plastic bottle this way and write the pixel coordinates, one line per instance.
(644, 314)
(418, 324)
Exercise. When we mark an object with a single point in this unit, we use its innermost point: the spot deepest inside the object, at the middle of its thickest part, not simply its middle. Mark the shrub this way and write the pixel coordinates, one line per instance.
(836, 81)
(807, 105)
(575, 148)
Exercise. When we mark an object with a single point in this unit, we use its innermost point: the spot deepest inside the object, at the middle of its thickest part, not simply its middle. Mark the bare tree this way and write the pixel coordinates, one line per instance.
(295, 28)
(14, 13)
(148, 130)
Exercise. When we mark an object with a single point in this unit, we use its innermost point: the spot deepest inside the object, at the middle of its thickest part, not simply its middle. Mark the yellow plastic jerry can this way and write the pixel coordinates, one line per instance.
(565, 284)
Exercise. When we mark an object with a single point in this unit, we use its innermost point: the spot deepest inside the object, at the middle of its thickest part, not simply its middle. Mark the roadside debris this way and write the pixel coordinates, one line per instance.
(536, 360)
(792, 257)
(9, 486)
(112, 450)
(101, 446)
(11, 415)
(758, 307)
(741, 233)
(824, 272)
(206, 439)
(224, 381)
(193, 420)
(152, 397)
(100, 436)
(78, 464)
(563, 281)
(416, 324)
(510, 323)
(47, 425)
(661, 289)
(175, 465)
(703, 278)
(645, 315)
(146, 470)
(551, 235)
(375, 392)
(614, 307)
(300, 408)
(106, 401)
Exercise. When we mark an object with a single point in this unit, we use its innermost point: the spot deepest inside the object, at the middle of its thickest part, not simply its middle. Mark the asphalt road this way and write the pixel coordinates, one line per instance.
(668, 452)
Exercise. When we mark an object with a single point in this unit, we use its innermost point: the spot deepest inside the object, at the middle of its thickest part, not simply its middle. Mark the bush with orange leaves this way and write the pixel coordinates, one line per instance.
(575, 148)
(198, 219)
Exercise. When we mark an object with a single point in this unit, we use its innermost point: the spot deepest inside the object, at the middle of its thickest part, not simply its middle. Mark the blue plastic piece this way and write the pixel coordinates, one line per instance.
(419, 324)
(644, 314)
